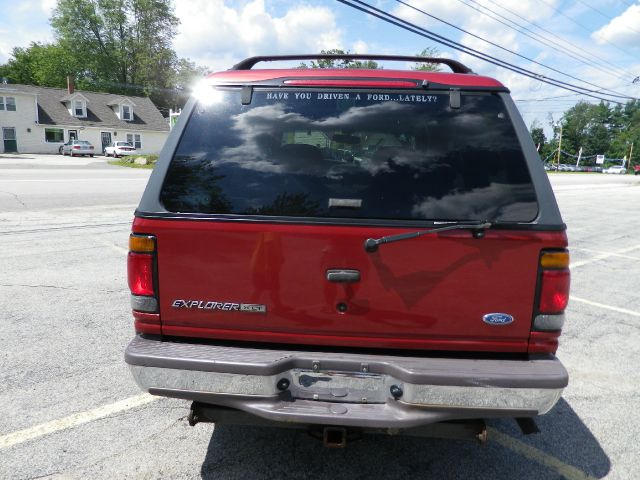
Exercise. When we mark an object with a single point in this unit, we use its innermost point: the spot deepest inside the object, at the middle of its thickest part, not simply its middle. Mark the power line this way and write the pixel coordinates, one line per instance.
(614, 93)
(588, 60)
(548, 98)
(585, 28)
(601, 13)
(405, 25)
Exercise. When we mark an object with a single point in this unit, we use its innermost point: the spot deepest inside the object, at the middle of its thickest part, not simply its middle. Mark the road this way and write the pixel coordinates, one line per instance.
(69, 408)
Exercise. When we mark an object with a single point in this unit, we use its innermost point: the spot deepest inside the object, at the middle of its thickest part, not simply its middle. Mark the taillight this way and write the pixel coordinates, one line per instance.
(140, 273)
(76, 147)
(141, 263)
(554, 292)
(553, 298)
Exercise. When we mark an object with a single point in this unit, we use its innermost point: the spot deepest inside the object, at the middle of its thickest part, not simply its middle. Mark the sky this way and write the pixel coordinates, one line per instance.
(595, 41)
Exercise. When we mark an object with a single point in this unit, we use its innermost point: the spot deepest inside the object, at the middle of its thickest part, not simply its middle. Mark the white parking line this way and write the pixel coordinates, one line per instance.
(600, 252)
(563, 469)
(604, 256)
(74, 420)
(606, 307)
(111, 245)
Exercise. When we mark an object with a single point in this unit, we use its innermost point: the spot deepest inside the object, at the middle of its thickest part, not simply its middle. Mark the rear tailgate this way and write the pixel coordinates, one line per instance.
(268, 282)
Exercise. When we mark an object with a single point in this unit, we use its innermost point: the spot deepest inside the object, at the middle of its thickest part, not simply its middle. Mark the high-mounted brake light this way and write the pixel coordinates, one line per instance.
(141, 277)
(351, 83)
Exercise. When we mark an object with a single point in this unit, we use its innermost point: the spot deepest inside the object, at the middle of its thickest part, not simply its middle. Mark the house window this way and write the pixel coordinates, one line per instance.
(134, 139)
(54, 135)
(8, 103)
(79, 109)
(127, 114)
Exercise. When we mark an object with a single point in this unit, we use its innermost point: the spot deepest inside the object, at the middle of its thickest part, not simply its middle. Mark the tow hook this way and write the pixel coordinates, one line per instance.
(334, 437)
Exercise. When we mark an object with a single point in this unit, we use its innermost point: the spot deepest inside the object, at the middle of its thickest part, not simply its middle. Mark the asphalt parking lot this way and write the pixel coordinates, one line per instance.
(69, 408)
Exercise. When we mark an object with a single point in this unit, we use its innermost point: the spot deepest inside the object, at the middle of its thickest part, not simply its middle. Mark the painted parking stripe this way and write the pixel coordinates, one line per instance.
(626, 311)
(74, 420)
(600, 252)
(111, 245)
(604, 256)
(563, 469)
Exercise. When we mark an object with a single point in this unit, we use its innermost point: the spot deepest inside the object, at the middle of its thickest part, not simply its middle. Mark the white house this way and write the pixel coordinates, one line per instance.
(40, 119)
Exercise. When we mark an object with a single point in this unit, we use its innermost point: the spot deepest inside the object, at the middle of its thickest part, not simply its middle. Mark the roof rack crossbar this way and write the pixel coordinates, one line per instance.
(455, 66)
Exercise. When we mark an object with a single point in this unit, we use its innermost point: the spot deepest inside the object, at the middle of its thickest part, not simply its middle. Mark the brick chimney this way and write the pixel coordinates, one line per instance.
(70, 87)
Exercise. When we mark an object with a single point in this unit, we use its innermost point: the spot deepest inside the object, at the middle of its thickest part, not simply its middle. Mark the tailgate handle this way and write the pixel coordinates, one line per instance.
(343, 276)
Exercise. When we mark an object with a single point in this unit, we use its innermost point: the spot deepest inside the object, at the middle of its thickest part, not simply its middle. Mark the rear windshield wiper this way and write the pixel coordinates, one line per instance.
(371, 244)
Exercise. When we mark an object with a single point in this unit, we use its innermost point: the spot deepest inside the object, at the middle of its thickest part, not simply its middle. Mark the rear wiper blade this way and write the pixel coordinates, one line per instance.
(371, 244)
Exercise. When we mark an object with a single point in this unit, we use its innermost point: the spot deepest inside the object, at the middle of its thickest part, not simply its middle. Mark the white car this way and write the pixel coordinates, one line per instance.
(615, 169)
(119, 149)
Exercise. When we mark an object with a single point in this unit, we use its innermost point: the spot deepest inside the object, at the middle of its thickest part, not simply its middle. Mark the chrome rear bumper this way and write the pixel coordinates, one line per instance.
(346, 389)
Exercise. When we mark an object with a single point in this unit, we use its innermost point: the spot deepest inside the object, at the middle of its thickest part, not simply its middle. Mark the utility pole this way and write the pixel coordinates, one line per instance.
(579, 156)
(630, 153)
(559, 148)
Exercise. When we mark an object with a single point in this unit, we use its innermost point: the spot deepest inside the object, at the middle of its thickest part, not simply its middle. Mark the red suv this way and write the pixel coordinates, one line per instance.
(369, 249)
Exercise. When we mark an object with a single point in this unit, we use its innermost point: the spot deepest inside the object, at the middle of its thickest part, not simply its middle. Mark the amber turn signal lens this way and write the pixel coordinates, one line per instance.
(555, 260)
(142, 243)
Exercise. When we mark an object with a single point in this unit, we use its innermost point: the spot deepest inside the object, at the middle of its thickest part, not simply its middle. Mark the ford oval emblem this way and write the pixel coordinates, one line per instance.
(497, 319)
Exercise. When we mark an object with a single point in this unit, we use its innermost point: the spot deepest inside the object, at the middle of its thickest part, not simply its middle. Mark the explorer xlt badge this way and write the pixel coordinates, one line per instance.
(223, 306)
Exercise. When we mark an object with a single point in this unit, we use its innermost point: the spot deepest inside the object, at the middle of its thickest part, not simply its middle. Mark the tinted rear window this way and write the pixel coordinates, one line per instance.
(350, 154)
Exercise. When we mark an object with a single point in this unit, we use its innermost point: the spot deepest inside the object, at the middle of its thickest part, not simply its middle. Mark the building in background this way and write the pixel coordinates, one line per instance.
(40, 119)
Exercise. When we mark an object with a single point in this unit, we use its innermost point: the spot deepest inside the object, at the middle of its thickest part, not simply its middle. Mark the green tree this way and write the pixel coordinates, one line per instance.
(330, 63)
(40, 64)
(123, 46)
(427, 67)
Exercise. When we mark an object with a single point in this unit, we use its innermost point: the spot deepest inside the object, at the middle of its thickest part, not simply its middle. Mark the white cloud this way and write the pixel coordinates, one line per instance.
(360, 47)
(25, 22)
(623, 30)
(47, 6)
(215, 34)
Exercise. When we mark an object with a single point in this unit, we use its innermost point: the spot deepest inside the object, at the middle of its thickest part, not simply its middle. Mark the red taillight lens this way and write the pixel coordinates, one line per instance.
(140, 273)
(77, 147)
(554, 294)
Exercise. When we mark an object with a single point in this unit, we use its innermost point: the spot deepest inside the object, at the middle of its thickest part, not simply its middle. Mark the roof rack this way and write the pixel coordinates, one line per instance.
(455, 66)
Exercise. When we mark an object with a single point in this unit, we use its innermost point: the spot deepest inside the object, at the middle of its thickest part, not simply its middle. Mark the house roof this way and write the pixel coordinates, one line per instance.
(53, 111)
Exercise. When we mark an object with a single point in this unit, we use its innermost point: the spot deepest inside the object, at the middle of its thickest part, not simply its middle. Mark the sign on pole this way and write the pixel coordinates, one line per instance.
(599, 159)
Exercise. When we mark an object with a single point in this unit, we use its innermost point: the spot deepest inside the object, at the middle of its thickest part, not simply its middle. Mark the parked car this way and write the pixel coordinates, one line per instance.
(119, 149)
(271, 283)
(636, 169)
(616, 169)
(563, 167)
(77, 147)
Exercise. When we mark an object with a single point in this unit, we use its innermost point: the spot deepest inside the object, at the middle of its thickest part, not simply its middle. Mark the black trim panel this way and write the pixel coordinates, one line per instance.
(333, 221)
